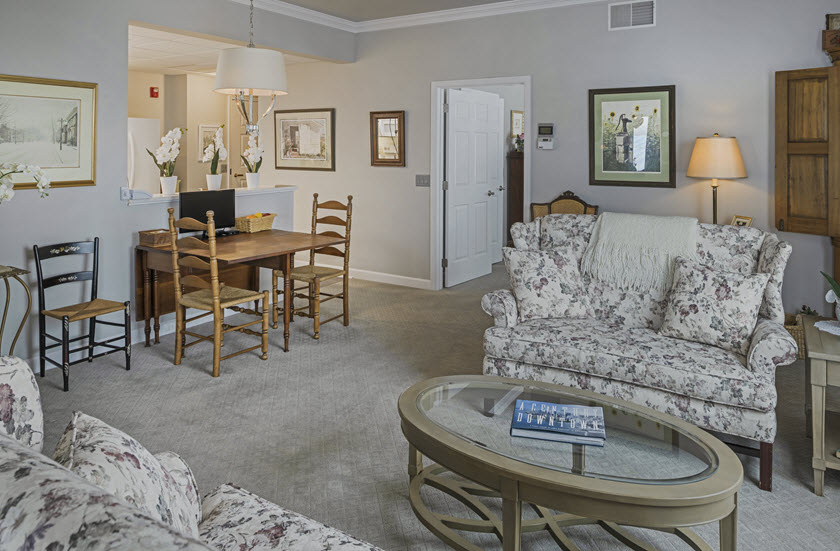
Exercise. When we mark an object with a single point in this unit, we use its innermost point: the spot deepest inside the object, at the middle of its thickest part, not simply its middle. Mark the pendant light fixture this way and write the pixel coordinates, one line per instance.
(250, 73)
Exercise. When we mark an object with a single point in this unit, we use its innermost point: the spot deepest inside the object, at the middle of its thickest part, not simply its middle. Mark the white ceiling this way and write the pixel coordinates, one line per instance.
(367, 10)
(156, 51)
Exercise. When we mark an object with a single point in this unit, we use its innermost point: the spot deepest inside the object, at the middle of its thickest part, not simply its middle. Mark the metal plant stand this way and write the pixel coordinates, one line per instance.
(7, 273)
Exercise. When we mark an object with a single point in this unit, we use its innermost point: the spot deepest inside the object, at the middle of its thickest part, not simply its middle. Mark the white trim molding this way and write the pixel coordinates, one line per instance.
(503, 7)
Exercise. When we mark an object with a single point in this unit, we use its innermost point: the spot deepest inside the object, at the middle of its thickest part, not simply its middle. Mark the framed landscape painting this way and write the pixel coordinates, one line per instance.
(50, 124)
(632, 137)
(304, 139)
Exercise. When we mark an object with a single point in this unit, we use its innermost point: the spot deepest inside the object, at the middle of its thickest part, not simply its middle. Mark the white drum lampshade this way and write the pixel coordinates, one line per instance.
(251, 71)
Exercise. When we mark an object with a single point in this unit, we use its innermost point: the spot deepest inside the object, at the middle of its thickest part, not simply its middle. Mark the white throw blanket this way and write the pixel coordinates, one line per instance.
(634, 251)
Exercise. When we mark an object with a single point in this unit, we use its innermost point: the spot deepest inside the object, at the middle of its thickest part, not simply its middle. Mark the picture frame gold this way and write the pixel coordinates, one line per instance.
(67, 141)
(304, 139)
(741, 221)
(387, 138)
(832, 21)
(517, 123)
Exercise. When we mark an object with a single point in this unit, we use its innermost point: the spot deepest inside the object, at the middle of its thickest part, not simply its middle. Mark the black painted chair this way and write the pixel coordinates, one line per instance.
(89, 310)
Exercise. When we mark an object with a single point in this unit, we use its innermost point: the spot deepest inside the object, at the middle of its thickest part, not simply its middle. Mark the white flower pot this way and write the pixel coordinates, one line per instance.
(252, 179)
(168, 184)
(214, 181)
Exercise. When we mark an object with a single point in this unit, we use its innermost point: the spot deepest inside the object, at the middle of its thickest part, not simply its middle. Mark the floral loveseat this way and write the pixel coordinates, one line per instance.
(619, 352)
(47, 506)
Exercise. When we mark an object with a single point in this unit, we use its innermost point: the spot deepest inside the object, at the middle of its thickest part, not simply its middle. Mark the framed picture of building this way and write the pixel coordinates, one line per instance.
(632, 137)
(206, 136)
(387, 138)
(304, 139)
(51, 124)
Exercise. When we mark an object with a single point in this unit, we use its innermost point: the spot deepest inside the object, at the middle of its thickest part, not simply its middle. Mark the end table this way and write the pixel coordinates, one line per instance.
(823, 367)
(6, 273)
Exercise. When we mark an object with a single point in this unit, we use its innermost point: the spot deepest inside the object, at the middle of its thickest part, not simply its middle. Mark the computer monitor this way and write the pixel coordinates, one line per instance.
(195, 204)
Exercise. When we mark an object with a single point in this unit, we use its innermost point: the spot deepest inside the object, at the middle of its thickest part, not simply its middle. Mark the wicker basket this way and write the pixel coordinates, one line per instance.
(254, 225)
(793, 324)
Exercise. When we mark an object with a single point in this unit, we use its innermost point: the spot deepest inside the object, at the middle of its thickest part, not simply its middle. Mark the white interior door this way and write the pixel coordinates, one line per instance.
(474, 129)
(496, 170)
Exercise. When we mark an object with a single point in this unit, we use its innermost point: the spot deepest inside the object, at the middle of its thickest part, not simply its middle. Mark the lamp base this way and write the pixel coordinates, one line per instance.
(714, 201)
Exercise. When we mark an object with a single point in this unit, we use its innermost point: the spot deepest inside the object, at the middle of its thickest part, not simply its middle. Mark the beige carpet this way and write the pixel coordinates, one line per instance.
(316, 429)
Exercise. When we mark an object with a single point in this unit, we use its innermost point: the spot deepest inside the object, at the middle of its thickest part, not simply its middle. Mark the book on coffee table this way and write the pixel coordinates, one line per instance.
(572, 424)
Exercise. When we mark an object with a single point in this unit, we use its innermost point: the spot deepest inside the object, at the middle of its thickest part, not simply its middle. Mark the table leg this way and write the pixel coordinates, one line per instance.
(274, 307)
(287, 299)
(415, 461)
(511, 521)
(818, 369)
(5, 312)
(156, 305)
(729, 530)
(147, 299)
(808, 409)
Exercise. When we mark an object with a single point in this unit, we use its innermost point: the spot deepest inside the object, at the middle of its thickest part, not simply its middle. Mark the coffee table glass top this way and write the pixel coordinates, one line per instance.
(639, 448)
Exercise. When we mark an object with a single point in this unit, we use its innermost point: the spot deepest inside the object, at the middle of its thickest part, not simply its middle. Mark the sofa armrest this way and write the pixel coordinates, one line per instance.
(501, 305)
(771, 347)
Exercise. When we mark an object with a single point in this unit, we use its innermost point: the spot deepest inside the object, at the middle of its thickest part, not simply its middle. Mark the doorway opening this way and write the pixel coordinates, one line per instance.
(479, 184)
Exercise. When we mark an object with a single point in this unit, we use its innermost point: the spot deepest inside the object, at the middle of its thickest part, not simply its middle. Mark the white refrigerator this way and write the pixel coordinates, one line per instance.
(143, 174)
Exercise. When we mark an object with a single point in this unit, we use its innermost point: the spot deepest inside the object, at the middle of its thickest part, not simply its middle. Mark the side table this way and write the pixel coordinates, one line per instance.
(7, 273)
(823, 365)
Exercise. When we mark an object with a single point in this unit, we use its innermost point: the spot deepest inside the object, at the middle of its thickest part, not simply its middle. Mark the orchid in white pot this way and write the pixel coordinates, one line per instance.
(833, 295)
(253, 158)
(7, 187)
(213, 153)
(165, 157)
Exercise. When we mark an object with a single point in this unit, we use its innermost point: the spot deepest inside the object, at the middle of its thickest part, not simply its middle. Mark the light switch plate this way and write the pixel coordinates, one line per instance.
(423, 180)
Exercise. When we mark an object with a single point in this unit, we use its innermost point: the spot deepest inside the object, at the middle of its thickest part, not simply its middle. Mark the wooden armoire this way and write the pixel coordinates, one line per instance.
(808, 149)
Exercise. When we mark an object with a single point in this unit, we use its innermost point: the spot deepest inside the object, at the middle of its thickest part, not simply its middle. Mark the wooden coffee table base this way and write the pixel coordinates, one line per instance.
(466, 492)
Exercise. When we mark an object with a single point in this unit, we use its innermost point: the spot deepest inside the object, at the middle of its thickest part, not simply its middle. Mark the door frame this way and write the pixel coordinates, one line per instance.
(436, 206)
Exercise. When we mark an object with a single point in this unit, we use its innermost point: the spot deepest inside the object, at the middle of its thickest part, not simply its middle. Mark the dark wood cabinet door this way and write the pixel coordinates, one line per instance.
(515, 188)
(808, 151)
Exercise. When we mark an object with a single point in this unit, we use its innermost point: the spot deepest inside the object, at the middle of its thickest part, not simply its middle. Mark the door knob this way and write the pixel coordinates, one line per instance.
(491, 193)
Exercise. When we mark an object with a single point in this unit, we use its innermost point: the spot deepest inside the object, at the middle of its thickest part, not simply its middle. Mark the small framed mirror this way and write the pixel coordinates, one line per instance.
(387, 138)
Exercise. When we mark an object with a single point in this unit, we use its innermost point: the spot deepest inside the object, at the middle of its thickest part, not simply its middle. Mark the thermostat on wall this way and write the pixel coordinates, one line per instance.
(545, 135)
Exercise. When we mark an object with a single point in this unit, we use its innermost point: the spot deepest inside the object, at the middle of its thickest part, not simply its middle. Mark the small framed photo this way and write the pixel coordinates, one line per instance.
(206, 135)
(387, 138)
(832, 21)
(517, 123)
(743, 221)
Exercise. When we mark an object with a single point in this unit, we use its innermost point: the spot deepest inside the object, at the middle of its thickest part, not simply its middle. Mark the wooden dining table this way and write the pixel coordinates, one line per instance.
(272, 249)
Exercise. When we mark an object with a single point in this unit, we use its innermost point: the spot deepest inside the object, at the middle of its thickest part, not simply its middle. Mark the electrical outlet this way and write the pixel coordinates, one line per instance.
(423, 180)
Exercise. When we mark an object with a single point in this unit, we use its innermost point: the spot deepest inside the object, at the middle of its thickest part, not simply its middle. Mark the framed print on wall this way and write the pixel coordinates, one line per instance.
(51, 124)
(517, 123)
(387, 138)
(304, 139)
(206, 136)
(632, 137)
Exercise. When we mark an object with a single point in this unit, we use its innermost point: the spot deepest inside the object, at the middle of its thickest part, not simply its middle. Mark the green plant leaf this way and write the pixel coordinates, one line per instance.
(259, 164)
(247, 164)
(834, 285)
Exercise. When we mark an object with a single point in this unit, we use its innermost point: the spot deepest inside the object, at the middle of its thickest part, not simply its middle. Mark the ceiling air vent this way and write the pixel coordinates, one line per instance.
(631, 15)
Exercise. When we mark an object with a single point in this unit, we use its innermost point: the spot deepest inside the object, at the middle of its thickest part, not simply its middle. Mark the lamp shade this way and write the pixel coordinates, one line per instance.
(717, 158)
(256, 71)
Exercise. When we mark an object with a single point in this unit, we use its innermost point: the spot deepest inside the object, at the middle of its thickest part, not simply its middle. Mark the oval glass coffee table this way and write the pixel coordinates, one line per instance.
(654, 470)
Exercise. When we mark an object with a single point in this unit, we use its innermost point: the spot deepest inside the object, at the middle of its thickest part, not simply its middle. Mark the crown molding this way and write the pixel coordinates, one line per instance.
(456, 14)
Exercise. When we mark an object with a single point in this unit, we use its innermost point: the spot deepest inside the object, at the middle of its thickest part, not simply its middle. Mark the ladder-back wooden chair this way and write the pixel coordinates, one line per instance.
(566, 203)
(313, 275)
(89, 310)
(212, 297)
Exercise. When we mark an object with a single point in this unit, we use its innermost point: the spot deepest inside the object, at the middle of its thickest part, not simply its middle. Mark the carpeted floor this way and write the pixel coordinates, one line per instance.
(316, 430)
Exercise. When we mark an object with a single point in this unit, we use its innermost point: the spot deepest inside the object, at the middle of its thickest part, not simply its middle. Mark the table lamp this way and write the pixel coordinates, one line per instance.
(716, 158)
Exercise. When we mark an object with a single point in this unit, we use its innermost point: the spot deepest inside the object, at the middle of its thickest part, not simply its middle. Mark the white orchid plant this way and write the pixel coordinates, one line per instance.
(167, 153)
(253, 156)
(7, 187)
(215, 151)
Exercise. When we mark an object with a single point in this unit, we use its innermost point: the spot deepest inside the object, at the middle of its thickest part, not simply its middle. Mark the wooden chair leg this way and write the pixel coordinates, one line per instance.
(346, 299)
(315, 301)
(217, 342)
(312, 298)
(766, 466)
(179, 333)
(127, 335)
(291, 298)
(275, 310)
(42, 328)
(65, 351)
(266, 306)
(222, 314)
(91, 338)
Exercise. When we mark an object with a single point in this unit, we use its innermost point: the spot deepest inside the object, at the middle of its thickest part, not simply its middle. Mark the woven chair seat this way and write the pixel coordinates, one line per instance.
(228, 296)
(86, 310)
(309, 273)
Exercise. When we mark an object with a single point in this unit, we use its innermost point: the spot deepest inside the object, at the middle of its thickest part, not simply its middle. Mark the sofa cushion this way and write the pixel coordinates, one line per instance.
(120, 465)
(571, 231)
(713, 307)
(634, 355)
(546, 284)
(21, 417)
(184, 478)
(45, 506)
(772, 260)
(234, 519)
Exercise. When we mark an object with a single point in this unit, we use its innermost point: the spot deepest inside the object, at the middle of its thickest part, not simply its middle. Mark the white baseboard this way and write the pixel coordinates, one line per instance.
(379, 277)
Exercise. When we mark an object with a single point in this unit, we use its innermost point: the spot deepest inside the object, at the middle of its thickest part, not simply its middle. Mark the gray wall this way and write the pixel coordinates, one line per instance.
(87, 40)
(720, 54)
